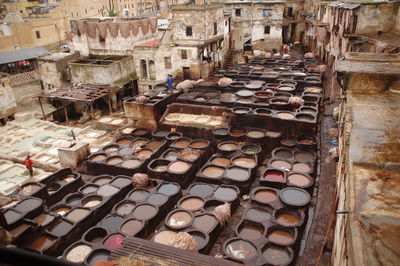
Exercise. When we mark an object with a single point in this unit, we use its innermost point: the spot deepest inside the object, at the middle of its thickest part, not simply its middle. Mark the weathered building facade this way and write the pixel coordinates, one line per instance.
(261, 22)
(340, 27)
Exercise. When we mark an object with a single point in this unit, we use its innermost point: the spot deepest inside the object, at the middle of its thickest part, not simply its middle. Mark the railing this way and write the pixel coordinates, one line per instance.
(24, 77)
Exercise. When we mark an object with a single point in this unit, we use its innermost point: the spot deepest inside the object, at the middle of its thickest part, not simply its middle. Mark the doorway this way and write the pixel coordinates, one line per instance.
(186, 72)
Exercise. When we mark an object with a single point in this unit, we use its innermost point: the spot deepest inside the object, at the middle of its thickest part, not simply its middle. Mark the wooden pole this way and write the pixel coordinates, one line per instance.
(109, 103)
(65, 112)
(41, 107)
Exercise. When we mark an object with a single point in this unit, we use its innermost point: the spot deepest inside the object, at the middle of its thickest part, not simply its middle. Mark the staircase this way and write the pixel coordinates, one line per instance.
(228, 62)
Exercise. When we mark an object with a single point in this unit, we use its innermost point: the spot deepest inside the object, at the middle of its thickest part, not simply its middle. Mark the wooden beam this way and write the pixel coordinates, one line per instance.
(41, 107)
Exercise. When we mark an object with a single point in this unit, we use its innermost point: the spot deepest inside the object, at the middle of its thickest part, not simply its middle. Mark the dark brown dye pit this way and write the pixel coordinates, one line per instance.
(245, 162)
(154, 144)
(131, 227)
(241, 250)
(114, 160)
(28, 205)
(199, 144)
(77, 215)
(102, 180)
(281, 237)
(286, 219)
(29, 189)
(140, 132)
(283, 154)
(131, 163)
(181, 144)
(258, 214)
(43, 219)
(298, 180)
(124, 141)
(157, 199)
(221, 161)
(139, 195)
(112, 223)
(213, 172)
(237, 174)
(295, 197)
(281, 165)
(273, 176)
(251, 231)
(168, 189)
(19, 230)
(226, 194)
(205, 222)
(192, 203)
(98, 157)
(304, 156)
(160, 133)
(125, 208)
(237, 132)
(144, 212)
(201, 190)
(121, 182)
(42, 243)
(107, 190)
(60, 228)
(265, 196)
(276, 255)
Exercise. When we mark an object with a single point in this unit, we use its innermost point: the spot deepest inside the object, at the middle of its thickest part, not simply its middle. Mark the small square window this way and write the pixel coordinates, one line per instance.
(37, 34)
(189, 31)
(267, 29)
(266, 13)
(183, 54)
(238, 12)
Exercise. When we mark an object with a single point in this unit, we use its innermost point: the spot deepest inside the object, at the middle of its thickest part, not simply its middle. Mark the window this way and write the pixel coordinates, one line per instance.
(101, 39)
(85, 11)
(183, 54)
(167, 62)
(267, 29)
(143, 68)
(215, 28)
(266, 13)
(189, 31)
(290, 11)
(238, 12)
(37, 34)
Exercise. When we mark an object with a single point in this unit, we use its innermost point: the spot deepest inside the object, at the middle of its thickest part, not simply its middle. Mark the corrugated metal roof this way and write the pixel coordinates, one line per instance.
(344, 5)
(23, 54)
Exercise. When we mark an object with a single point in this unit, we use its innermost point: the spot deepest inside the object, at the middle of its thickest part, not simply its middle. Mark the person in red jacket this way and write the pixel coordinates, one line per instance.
(28, 165)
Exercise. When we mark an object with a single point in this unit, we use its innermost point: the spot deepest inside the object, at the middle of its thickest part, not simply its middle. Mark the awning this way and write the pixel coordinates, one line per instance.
(23, 54)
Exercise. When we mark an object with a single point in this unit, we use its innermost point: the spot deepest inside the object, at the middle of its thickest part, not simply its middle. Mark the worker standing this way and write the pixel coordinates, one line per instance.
(28, 165)
(170, 82)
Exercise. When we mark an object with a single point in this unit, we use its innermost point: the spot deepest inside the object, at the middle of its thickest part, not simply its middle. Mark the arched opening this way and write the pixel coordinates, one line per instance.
(152, 68)
(143, 68)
